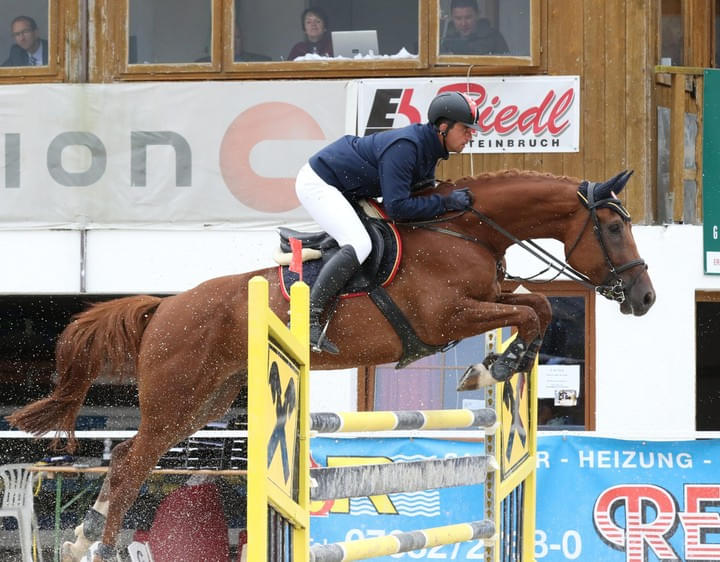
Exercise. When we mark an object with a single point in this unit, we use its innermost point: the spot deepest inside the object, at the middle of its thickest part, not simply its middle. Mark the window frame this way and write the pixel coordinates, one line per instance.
(110, 43)
(128, 70)
(321, 68)
(366, 374)
(531, 60)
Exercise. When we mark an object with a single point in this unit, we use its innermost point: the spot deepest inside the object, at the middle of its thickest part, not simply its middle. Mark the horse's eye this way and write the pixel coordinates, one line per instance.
(615, 228)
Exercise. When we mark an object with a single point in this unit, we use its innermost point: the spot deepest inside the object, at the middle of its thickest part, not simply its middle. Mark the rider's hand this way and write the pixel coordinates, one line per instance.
(459, 199)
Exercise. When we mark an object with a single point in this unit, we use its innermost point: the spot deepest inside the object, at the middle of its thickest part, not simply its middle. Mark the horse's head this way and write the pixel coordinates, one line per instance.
(604, 248)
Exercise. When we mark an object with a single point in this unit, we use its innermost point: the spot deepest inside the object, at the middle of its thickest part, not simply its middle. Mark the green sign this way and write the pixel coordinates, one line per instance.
(711, 171)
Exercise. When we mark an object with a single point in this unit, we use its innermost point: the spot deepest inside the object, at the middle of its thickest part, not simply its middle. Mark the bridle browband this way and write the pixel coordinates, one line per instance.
(613, 288)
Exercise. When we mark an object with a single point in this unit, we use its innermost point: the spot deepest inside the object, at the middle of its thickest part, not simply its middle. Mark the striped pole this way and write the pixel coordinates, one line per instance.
(359, 481)
(334, 422)
(402, 542)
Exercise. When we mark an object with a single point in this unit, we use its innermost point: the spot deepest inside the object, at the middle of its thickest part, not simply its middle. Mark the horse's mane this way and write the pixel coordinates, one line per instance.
(508, 174)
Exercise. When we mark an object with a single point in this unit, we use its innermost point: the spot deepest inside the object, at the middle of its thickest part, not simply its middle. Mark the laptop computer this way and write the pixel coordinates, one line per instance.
(351, 43)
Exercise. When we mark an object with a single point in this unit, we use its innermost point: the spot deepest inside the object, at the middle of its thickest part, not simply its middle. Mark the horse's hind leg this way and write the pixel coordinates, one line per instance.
(91, 528)
(150, 443)
(126, 477)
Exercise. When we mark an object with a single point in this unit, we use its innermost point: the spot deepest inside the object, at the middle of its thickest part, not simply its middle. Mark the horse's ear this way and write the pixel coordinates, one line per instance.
(610, 188)
(622, 181)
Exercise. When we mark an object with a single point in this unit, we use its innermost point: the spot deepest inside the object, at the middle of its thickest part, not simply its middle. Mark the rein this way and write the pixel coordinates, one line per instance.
(613, 288)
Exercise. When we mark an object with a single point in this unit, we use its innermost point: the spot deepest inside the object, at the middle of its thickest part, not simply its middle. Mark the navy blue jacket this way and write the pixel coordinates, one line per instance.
(386, 165)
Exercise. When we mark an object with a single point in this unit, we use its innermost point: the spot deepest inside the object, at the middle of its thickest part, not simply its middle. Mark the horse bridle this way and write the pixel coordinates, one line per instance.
(613, 287)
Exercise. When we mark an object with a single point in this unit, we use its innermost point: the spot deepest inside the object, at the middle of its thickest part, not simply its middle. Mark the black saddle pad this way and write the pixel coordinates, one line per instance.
(378, 269)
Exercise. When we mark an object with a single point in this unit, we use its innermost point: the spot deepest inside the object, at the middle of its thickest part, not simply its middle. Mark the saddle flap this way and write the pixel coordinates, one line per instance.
(316, 240)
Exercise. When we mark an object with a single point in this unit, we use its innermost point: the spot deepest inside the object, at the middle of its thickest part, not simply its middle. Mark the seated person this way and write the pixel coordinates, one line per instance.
(318, 41)
(470, 34)
(29, 49)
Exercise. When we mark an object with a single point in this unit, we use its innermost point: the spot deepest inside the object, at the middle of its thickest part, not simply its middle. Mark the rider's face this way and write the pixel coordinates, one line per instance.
(457, 137)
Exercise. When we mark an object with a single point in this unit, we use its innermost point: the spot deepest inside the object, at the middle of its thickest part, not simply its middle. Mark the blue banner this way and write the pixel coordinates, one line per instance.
(597, 499)
(359, 518)
(633, 501)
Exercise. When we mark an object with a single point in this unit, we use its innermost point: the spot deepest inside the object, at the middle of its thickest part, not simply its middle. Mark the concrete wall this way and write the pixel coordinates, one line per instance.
(645, 366)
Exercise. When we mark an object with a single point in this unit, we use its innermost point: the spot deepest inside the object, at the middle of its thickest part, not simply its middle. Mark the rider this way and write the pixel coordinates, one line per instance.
(388, 164)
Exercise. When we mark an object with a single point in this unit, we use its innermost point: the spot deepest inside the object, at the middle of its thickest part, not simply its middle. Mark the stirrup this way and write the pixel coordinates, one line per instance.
(321, 343)
(324, 344)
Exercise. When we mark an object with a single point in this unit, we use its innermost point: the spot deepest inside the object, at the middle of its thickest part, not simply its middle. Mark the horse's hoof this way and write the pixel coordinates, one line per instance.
(475, 377)
(501, 371)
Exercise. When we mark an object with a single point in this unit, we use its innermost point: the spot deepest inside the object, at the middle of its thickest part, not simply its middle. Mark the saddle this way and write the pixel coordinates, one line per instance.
(376, 273)
(378, 270)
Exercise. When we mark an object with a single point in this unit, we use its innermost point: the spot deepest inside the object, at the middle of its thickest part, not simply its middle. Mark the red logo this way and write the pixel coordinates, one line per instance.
(651, 518)
(266, 121)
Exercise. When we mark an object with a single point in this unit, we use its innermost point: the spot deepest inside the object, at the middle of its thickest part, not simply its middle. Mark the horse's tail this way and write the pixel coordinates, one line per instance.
(102, 340)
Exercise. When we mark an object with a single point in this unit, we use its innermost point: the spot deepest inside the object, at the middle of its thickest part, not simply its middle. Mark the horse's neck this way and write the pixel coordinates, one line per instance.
(535, 207)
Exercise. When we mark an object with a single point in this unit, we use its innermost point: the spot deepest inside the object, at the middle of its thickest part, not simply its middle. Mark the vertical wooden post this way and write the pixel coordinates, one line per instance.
(677, 145)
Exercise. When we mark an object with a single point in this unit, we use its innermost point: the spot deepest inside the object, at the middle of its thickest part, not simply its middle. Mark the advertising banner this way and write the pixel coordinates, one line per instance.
(598, 499)
(711, 170)
(161, 154)
(360, 518)
(627, 501)
(517, 113)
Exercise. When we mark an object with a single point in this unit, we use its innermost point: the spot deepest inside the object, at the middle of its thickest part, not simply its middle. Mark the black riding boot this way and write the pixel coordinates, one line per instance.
(332, 278)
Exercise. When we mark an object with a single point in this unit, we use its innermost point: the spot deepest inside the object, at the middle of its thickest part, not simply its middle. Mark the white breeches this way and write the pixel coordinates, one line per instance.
(332, 212)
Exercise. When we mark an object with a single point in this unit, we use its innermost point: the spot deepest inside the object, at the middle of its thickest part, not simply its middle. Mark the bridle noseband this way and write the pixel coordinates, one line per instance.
(613, 288)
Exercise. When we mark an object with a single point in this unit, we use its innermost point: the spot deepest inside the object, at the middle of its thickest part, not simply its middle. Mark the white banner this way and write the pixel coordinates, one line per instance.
(517, 113)
(161, 154)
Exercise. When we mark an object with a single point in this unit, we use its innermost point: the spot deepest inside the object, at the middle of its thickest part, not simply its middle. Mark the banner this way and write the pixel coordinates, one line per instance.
(711, 170)
(360, 518)
(631, 501)
(517, 113)
(161, 154)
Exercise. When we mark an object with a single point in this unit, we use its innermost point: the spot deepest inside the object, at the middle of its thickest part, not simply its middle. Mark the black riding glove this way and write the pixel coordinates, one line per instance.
(459, 199)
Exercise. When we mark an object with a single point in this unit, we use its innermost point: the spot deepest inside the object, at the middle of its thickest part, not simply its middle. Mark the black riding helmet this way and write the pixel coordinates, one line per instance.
(455, 107)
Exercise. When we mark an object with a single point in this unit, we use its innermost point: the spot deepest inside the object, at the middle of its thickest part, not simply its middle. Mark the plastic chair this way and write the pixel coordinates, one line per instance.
(17, 502)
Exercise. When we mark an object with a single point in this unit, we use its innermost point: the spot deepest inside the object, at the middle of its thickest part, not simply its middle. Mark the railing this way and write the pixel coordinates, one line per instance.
(679, 182)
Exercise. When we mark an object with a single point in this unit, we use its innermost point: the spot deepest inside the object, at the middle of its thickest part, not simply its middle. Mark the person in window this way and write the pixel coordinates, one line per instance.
(390, 164)
(314, 24)
(470, 34)
(29, 49)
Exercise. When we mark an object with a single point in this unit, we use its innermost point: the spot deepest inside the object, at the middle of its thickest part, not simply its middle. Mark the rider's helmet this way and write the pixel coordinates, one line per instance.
(455, 107)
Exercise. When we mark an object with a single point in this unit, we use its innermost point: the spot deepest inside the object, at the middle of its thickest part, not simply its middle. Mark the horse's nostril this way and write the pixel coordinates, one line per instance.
(649, 298)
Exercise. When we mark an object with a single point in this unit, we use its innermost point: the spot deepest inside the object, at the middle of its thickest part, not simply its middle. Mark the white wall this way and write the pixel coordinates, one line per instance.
(645, 366)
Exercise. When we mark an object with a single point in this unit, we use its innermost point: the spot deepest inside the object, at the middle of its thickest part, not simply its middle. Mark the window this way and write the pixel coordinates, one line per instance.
(487, 32)
(25, 40)
(355, 31)
(671, 33)
(169, 31)
(707, 359)
(566, 362)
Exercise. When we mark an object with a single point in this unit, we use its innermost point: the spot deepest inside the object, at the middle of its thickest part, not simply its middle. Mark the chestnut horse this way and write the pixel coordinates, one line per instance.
(189, 351)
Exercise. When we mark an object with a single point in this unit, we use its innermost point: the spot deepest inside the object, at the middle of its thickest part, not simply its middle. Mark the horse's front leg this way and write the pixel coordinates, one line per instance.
(530, 313)
(532, 343)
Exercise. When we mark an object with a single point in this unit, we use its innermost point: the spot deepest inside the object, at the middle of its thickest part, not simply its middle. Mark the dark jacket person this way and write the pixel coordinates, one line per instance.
(29, 49)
